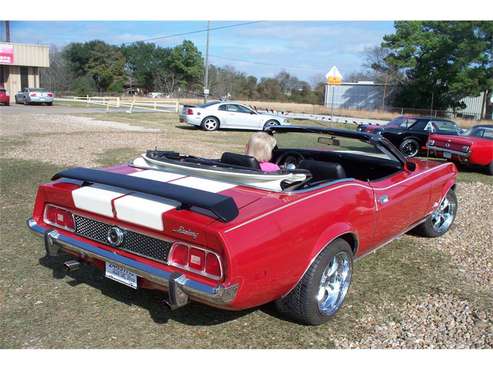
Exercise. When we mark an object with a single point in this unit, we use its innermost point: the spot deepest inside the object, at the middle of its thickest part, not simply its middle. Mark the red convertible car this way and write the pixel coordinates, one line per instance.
(224, 233)
(473, 148)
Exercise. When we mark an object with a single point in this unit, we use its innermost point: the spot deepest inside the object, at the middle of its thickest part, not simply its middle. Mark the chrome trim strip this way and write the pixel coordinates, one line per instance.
(218, 295)
(438, 149)
(332, 189)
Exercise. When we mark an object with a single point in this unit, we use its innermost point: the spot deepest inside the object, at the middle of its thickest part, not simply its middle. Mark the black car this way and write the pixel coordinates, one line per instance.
(410, 133)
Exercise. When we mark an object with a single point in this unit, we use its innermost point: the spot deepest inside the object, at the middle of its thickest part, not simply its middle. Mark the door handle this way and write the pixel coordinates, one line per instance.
(383, 199)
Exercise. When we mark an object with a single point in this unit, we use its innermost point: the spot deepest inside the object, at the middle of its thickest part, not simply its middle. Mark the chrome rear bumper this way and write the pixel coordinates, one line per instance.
(456, 152)
(179, 286)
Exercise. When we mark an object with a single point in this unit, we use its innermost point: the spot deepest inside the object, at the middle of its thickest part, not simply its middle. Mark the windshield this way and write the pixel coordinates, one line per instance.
(484, 132)
(403, 122)
(445, 126)
(321, 142)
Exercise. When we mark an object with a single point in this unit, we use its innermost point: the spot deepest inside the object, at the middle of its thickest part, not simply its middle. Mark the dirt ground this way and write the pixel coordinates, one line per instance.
(415, 293)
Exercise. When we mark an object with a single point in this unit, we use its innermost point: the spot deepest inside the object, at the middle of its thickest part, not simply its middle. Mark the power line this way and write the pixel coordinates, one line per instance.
(193, 32)
(267, 64)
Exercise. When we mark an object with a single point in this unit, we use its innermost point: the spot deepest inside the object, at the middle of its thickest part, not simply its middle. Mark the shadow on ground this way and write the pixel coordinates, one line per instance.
(194, 314)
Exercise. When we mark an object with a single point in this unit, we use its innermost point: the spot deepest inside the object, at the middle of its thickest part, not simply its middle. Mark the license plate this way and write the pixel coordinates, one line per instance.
(447, 155)
(121, 275)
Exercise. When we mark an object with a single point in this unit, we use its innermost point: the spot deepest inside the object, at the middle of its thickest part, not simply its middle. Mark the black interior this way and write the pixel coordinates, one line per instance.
(323, 170)
(240, 160)
(327, 165)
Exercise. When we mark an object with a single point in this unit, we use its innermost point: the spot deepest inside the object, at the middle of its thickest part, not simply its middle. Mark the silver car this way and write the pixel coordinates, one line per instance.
(34, 96)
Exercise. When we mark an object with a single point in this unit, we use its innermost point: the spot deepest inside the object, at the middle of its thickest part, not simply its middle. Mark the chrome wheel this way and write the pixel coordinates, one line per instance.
(444, 215)
(210, 124)
(334, 283)
(271, 123)
(409, 148)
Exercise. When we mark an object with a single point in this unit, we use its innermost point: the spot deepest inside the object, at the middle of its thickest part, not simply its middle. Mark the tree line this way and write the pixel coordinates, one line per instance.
(97, 67)
(420, 63)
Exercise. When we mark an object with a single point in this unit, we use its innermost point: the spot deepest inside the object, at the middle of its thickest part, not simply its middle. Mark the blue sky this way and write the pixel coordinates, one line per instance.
(303, 48)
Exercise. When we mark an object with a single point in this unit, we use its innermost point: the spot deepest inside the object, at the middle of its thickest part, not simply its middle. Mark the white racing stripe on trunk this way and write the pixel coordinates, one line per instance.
(138, 208)
(97, 198)
(212, 186)
(143, 209)
(157, 175)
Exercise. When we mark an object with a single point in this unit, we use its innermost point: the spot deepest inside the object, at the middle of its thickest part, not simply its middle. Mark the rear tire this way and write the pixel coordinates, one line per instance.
(210, 124)
(440, 221)
(409, 147)
(50, 104)
(321, 292)
(270, 123)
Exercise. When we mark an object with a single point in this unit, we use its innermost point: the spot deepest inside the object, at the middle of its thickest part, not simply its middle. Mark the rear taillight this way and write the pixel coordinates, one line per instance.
(59, 217)
(50, 95)
(198, 260)
(189, 112)
(32, 94)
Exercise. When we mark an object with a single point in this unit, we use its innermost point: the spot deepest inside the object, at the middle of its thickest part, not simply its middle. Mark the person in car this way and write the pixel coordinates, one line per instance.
(260, 147)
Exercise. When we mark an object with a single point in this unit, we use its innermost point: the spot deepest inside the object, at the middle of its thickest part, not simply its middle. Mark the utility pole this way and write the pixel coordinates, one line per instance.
(7, 31)
(206, 75)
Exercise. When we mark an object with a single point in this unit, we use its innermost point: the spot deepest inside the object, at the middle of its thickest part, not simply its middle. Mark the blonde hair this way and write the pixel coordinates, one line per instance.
(260, 146)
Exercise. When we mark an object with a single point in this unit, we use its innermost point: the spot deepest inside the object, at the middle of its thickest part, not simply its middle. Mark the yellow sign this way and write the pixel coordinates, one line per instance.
(333, 77)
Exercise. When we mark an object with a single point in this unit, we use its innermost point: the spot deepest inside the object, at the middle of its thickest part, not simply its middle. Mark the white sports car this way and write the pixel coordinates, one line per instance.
(217, 114)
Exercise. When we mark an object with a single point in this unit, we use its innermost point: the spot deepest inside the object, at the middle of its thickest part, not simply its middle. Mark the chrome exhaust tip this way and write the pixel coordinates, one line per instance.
(71, 265)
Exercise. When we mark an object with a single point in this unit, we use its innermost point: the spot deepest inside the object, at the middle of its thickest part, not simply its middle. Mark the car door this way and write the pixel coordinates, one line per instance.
(401, 201)
(237, 116)
(226, 116)
(251, 120)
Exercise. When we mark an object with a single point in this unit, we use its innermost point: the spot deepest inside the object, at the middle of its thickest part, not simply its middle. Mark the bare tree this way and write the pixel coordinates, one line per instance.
(57, 76)
(165, 81)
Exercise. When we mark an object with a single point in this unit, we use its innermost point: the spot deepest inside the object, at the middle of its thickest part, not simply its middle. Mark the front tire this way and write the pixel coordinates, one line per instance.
(210, 124)
(322, 290)
(440, 221)
(409, 147)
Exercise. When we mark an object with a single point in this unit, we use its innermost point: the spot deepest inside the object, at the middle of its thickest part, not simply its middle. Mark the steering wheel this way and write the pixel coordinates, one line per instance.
(290, 158)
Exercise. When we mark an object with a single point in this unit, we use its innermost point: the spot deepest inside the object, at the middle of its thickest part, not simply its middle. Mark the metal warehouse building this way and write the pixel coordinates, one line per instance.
(20, 64)
(365, 95)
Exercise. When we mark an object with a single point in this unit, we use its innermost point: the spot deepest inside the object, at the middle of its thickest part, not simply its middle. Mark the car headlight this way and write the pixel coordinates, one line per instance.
(465, 148)
(431, 142)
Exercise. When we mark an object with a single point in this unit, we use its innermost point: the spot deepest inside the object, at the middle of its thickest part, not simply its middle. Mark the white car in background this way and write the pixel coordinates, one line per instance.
(214, 115)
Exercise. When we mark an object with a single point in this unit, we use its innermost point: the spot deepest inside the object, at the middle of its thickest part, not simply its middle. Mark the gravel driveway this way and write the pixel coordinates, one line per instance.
(440, 318)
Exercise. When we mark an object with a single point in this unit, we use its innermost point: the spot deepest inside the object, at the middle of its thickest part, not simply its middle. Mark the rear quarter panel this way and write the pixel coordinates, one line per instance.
(270, 254)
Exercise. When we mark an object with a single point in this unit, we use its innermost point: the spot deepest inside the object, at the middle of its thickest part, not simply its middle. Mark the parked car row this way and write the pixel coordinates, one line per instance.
(439, 137)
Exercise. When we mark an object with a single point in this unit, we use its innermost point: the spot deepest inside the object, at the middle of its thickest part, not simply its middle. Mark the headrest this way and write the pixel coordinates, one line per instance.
(323, 170)
(242, 160)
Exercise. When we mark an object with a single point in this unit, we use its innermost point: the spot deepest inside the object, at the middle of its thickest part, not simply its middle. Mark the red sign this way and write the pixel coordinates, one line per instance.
(6, 54)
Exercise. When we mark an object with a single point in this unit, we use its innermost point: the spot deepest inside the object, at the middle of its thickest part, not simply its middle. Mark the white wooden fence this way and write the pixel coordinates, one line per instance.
(110, 102)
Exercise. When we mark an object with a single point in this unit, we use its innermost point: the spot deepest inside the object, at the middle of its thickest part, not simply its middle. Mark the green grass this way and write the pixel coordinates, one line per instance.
(115, 156)
(39, 301)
